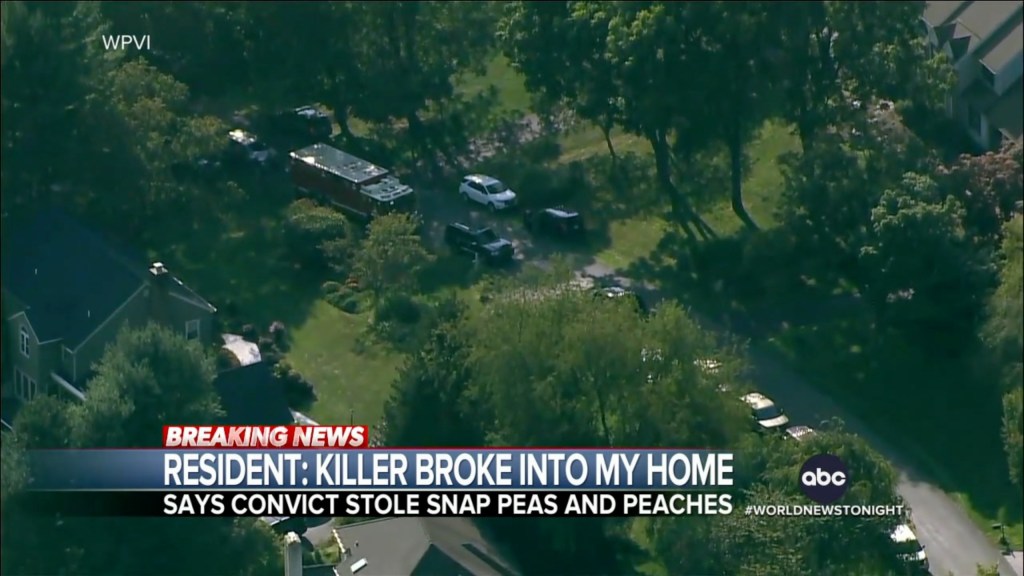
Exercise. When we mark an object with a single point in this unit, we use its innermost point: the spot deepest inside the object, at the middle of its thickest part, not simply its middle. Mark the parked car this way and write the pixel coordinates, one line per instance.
(480, 243)
(245, 147)
(909, 550)
(300, 126)
(618, 293)
(487, 191)
(558, 222)
(766, 413)
(800, 432)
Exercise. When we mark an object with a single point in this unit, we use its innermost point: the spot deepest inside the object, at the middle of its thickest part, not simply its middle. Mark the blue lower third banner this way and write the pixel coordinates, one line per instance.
(386, 470)
(492, 504)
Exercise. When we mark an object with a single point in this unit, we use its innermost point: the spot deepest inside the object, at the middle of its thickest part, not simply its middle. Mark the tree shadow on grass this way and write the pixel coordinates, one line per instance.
(230, 249)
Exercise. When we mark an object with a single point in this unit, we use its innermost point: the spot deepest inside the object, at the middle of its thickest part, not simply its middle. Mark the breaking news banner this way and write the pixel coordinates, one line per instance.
(328, 471)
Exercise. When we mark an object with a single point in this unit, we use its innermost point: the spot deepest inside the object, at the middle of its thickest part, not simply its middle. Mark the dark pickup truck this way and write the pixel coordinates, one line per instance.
(557, 222)
(481, 243)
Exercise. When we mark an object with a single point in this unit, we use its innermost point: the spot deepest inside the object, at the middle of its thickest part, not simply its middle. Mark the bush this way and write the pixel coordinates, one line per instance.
(266, 344)
(299, 391)
(398, 308)
(279, 334)
(351, 305)
(250, 333)
(226, 360)
(329, 288)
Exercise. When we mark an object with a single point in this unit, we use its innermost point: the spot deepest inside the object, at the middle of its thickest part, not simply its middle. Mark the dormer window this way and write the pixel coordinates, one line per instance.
(988, 76)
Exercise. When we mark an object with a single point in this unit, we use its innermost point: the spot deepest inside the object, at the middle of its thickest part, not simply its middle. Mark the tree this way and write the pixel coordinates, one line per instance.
(1003, 334)
(921, 269)
(835, 53)
(576, 73)
(743, 90)
(990, 186)
(748, 544)
(651, 46)
(391, 255)
(428, 403)
(318, 234)
(147, 378)
(416, 50)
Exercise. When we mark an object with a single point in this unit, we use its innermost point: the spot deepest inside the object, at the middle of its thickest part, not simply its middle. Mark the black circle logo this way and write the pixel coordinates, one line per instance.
(824, 478)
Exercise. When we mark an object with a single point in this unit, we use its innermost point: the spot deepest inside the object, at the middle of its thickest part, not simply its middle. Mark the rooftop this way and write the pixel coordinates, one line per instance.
(341, 164)
(757, 400)
(251, 395)
(938, 13)
(482, 179)
(1006, 114)
(1009, 44)
(428, 546)
(388, 189)
(71, 279)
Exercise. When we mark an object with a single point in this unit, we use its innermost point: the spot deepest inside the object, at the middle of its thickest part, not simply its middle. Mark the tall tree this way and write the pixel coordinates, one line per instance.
(922, 272)
(990, 186)
(836, 53)
(390, 256)
(1003, 334)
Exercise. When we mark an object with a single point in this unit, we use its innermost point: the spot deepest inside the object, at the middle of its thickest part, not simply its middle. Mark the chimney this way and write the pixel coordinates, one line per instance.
(158, 282)
(292, 555)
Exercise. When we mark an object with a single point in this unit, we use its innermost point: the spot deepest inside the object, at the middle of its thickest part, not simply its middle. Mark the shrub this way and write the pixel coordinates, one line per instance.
(398, 308)
(226, 360)
(250, 333)
(351, 305)
(329, 288)
(279, 334)
(299, 391)
(266, 344)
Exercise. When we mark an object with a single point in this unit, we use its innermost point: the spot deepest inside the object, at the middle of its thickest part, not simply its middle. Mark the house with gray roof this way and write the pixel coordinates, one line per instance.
(419, 547)
(985, 42)
(67, 292)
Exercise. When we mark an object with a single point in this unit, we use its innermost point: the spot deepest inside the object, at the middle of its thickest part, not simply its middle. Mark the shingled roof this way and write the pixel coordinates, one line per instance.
(251, 395)
(70, 279)
(420, 546)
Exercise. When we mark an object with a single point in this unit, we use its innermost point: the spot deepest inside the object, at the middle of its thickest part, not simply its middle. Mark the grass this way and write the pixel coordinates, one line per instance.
(234, 255)
(353, 381)
(511, 91)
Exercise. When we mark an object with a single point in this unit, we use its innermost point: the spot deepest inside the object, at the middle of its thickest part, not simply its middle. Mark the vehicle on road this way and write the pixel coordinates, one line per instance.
(620, 294)
(766, 413)
(482, 244)
(801, 433)
(350, 184)
(246, 147)
(487, 191)
(909, 550)
(556, 222)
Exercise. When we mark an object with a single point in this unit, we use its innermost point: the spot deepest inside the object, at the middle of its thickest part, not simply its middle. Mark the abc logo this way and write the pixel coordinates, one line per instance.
(824, 478)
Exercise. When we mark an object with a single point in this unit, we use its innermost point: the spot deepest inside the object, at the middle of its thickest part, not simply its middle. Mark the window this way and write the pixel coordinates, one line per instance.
(24, 387)
(23, 341)
(974, 119)
(988, 76)
(192, 330)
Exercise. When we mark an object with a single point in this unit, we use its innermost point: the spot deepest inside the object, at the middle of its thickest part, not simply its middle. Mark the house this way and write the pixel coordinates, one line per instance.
(251, 395)
(984, 41)
(67, 292)
(419, 547)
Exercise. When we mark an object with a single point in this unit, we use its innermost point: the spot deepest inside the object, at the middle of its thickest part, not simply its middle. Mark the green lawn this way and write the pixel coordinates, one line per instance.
(353, 380)
(234, 255)
(511, 92)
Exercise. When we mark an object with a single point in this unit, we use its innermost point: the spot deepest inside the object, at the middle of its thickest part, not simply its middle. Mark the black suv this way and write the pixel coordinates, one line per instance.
(619, 293)
(481, 243)
(559, 222)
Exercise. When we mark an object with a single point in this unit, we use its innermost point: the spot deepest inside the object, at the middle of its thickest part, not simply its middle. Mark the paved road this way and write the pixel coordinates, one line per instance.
(954, 544)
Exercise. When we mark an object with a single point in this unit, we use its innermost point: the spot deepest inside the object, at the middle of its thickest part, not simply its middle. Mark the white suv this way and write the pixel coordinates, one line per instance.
(487, 191)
